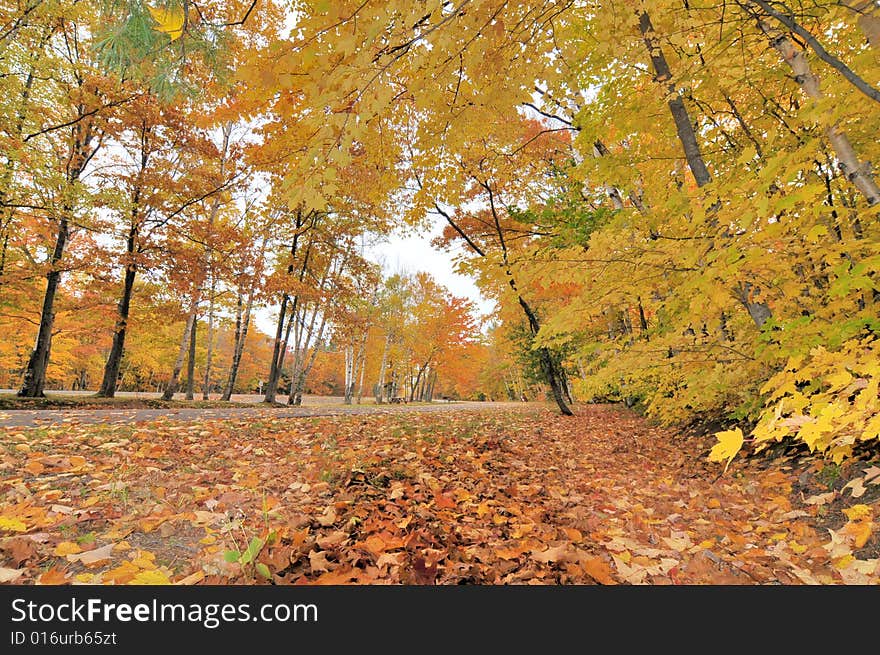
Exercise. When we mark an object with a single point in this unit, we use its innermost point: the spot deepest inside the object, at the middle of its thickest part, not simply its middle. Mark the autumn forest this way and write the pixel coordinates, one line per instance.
(670, 205)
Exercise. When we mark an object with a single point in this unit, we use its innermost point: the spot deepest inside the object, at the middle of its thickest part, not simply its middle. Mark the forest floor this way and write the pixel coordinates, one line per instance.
(501, 495)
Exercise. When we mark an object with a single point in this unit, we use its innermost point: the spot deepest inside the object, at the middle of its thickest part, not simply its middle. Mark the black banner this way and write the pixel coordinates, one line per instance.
(227, 618)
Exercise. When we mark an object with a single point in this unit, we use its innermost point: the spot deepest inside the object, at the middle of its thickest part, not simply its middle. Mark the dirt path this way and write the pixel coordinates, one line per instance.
(33, 418)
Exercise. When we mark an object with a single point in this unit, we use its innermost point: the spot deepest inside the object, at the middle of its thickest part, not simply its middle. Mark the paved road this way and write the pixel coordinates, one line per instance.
(308, 399)
(32, 418)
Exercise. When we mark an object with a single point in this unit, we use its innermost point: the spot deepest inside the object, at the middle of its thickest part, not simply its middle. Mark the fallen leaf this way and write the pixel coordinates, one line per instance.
(333, 539)
(154, 577)
(12, 524)
(53, 576)
(444, 501)
(555, 554)
(821, 499)
(575, 535)
(66, 548)
(19, 550)
(328, 518)
(598, 569)
(91, 557)
(318, 561)
(374, 544)
(34, 467)
(872, 475)
(192, 578)
(729, 444)
(857, 512)
(10, 575)
(860, 531)
(856, 487)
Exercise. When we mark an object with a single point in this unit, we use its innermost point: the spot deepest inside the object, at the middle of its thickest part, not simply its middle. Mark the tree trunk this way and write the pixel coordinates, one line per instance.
(241, 330)
(349, 373)
(173, 383)
(858, 173)
(114, 359)
(430, 391)
(209, 342)
(35, 373)
(643, 322)
(362, 367)
(191, 361)
(380, 385)
(274, 369)
(683, 125)
(297, 385)
(548, 367)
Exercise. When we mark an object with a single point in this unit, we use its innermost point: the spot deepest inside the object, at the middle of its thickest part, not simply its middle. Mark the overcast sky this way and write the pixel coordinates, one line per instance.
(414, 253)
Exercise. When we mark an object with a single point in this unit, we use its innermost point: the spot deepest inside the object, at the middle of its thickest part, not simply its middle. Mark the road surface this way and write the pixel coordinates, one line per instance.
(38, 417)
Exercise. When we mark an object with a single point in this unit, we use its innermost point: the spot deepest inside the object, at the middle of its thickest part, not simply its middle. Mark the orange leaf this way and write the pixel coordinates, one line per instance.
(508, 553)
(860, 531)
(339, 576)
(573, 534)
(443, 501)
(375, 545)
(53, 576)
(122, 574)
(598, 569)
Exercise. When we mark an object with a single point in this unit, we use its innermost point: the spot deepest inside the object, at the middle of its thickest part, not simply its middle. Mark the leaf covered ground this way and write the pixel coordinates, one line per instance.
(512, 496)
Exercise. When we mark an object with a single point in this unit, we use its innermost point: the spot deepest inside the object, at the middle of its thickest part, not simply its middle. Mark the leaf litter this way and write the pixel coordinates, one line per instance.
(514, 496)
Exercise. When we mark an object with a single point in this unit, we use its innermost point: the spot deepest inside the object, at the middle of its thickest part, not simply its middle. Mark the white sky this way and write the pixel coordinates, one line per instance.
(414, 253)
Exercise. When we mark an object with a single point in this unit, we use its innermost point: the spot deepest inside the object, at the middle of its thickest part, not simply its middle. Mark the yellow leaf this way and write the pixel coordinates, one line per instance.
(150, 577)
(66, 548)
(13, 525)
(797, 548)
(170, 20)
(843, 562)
(857, 512)
(122, 574)
(729, 443)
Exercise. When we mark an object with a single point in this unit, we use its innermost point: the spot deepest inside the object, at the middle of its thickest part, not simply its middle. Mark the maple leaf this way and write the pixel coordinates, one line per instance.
(169, 20)
(729, 444)
(860, 531)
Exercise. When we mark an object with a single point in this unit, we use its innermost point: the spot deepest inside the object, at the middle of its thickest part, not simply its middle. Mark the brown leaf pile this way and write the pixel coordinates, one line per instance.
(519, 496)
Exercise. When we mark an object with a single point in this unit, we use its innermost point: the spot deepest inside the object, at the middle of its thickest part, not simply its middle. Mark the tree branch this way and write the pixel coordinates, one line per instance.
(789, 22)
